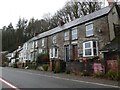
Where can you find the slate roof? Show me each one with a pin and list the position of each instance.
(113, 46)
(84, 19)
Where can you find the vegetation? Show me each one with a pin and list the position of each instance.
(45, 67)
(4, 60)
(32, 65)
(15, 65)
(42, 58)
(114, 75)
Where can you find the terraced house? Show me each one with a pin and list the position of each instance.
(81, 40)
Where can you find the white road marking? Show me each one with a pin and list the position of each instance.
(113, 86)
(7, 83)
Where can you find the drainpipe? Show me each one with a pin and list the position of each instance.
(70, 46)
(34, 51)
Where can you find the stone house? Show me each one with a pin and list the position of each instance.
(81, 39)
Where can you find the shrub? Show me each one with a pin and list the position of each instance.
(85, 73)
(42, 58)
(15, 65)
(67, 71)
(32, 66)
(45, 67)
(98, 75)
(114, 75)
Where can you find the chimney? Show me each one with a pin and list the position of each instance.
(61, 23)
(110, 2)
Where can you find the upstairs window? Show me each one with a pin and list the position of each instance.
(74, 33)
(32, 45)
(89, 30)
(26, 46)
(66, 35)
(43, 42)
(36, 44)
(54, 39)
(90, 48)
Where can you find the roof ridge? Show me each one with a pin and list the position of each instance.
(75, 22)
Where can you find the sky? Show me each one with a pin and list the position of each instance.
(12, 10)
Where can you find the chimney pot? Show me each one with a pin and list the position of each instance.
(111, 2)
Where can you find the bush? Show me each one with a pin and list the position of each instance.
(42, 58)
(15, 65)
(67, 71)
(85, 73)
(114, 75)
(32, 66)
(98, 75)
(45, 67)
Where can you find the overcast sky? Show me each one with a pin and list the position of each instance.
(12, 10)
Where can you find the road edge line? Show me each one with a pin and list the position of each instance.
(7, 83)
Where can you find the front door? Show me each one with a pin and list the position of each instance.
(75, 52)
(67, 53)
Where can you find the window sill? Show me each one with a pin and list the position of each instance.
(89, 36)
(74, 39)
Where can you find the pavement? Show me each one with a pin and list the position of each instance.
(23, 78)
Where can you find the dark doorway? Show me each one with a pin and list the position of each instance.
(75, 52)
(67, 53)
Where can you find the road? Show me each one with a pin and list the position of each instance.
(20, 78)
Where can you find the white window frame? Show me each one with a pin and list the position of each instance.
(32, 45)
(36, 44)
(66, 35)
(74, 33)
(90, 29)
(40, 50)
(91, 47)
(53, 53)
(43, 42)
(54, 39)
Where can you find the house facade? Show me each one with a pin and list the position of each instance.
(77, 41)
(83, 37)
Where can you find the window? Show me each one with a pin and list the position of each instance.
(54, 39)
(43, 42)
(74, 34)
(32, 45)
(54, 53)
(26, 46)
(89, 30)
(51, 53)
(90, 48)
(36, 44)
(66, 35)
(40, 50)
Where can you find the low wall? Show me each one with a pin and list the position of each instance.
(78, 67)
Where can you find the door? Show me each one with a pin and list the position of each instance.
(75, 52)
(67, 53)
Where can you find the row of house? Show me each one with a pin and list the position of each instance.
(82, 39)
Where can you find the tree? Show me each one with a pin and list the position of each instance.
(75, 9)
(20, 32)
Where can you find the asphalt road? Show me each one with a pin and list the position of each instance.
(36, 79)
